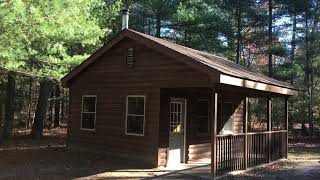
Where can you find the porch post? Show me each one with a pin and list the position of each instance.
(214, 110)
(269, 128)
(246, 133)
(286, 119)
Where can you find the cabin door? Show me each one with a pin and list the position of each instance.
(176, 154)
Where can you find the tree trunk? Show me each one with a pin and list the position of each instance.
(57, 106)
(293, 44)
(311, 50)
(1, 113)
(304, 130)
(50, 118)
(1, 106)
(307, 71)
(292, 57)
(238, 32)
(28, 124)
(270, 39)
(68, 103)
(44, 93)
(149, 26)
(62, 104)
(158, 27)
(9, 106)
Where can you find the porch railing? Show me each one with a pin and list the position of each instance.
(262, 147)
(278, 145)
(230, 153)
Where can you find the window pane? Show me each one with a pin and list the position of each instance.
(135, 124)
(136, 105)
(88, 120)
(89, 104)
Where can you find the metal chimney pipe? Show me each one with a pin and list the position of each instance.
(125, 18)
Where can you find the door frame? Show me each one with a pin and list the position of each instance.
(184, 125)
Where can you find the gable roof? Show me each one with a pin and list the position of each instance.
(203, 59)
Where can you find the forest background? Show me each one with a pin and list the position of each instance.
(41, 41)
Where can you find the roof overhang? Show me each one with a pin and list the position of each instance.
(203, 62)
(245, 83)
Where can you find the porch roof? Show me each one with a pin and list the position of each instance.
(230, 72)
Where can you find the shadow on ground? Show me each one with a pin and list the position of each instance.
(60, 163)
(306, 170)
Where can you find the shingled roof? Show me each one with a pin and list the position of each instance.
(223, 65)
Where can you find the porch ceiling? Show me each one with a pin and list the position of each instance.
(258, 86)
(238, 91)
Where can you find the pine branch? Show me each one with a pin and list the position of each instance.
(25, 74)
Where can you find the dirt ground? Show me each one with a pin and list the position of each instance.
(48, 158)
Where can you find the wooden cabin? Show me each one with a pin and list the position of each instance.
(146, 99)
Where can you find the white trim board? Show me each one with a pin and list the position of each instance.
(234, 81)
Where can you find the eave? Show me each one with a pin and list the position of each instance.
(245, 83)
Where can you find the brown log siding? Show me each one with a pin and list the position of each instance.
(111, 81)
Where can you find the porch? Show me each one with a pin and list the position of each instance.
(242, 127)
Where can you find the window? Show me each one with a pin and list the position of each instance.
(135, 115)
(176, 117)
(202, 116)
(88, 116)
(130, 58)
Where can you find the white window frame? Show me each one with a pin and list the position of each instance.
(208, 120)
(144, 115)
(95, 112)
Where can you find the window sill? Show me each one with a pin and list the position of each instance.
(84, 129)
(133, 134)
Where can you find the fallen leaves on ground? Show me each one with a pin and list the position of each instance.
(54, 137)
